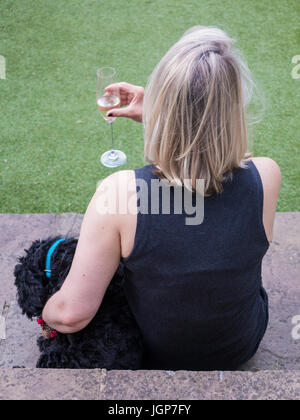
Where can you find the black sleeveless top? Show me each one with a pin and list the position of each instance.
(196, 290)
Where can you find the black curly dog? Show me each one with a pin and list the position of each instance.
(111, 340)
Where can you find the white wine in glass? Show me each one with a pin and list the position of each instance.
(105, 102)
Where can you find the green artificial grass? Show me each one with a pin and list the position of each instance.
(51, 133)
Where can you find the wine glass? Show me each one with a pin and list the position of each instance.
(105, 102)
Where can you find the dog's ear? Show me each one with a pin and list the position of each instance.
(29, 275)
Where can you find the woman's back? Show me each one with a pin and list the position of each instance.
(196, 290)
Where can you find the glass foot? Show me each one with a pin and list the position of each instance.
(113, 158)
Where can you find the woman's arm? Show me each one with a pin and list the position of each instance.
(271, 180)
(95, 261)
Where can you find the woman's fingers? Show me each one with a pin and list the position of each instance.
(126, 91)
(131, 96)
(120, 112)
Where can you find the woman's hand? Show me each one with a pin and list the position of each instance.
(131, 97)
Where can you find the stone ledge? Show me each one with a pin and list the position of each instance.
(280, 273)
(98, 384)
(274, 372)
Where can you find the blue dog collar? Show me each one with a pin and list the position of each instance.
(49, 255)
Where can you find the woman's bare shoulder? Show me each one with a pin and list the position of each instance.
(117, 177)
(267, 167)
(270, 175)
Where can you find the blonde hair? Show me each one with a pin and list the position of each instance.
(194, 110)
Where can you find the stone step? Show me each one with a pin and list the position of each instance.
(272, 374)
(97, 384)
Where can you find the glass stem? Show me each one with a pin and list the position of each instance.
(112, 137)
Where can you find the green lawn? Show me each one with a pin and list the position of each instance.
(51, 133)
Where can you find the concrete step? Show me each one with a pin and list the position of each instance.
(97, 384)
(274, 367)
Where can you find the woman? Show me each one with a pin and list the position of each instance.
(195, 289)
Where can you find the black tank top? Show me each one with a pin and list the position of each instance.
(196, 290)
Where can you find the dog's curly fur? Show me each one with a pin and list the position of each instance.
(111, 340)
